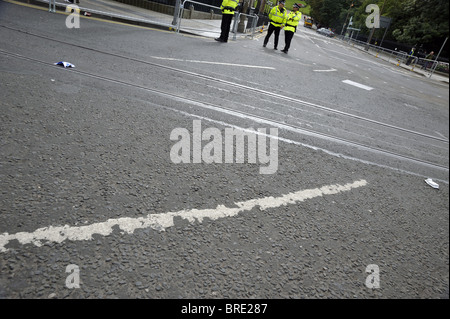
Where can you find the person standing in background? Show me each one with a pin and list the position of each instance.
(428, 61)
(228, 7)
(411, 56)
(278, 17)
(292, 22)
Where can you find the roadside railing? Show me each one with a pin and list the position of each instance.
(252, 22)
(181, 13)
(252, 19)
(400, 57)
(153, 21)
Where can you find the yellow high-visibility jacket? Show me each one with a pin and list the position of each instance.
(278, 17)
(293, 20)
(229, 6)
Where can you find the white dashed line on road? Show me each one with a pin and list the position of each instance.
(359, 85)
(331, 70)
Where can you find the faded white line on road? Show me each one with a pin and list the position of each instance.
(165, 220)
(351, 56)
(292, 142)
(441, 135)
(215, 63)
(309, 38)
(331, 70)
(411, 106)
(359, 85)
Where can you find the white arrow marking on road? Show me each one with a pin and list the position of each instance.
(359, 85)
(162, 221)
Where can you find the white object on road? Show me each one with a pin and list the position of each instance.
(430, 182)
(65, 64)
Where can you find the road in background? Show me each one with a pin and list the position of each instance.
(86, 145)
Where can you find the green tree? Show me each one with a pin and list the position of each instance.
(327, 12)
(331, 10)
(422, 22)
(414, 22)
(316, 8)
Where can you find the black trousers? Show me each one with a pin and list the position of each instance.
(288, 35)
(271, 30)
(225, 26)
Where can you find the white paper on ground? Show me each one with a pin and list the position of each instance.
(430, 182)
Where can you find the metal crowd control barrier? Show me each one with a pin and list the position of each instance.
(399, 56)
(237, 16)
(428, 64)
(181, 11)
(254, 19)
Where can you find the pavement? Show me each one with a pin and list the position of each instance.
(109, 9)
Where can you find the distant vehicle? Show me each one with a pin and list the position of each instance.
(326, 32)
(308, 22)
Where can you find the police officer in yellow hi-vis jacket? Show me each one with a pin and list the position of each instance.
(278, 17)
(292, 22)
(228, 7)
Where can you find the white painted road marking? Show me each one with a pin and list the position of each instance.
(215, 63)
(162, 221)
(331, 70)
(359, 85)
(441, 135)
(412, 106)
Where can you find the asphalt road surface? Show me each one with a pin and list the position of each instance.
(88, 180)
